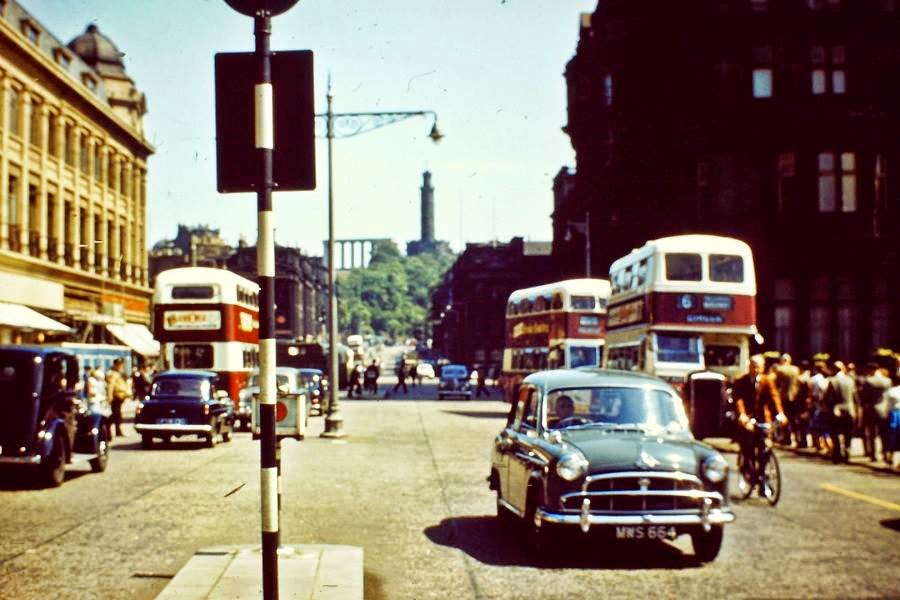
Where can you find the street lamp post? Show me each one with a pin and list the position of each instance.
(348, 124)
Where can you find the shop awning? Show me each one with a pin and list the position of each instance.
(20, 316)
(135, 336)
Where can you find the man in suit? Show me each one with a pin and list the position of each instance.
(843, 399)
(756, 398)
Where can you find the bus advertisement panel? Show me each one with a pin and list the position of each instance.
(683, 304)
(208, 319)
(557, 325)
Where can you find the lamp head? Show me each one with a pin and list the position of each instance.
(435, 134)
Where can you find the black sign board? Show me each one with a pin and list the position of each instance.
(237, 159)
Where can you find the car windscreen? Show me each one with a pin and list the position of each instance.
(181, 387)
(15, 374)
(455, 372)
(650, 409)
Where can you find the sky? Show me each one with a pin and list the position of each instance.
(492, 70)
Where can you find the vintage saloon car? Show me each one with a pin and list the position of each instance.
(602, 451)
(45, 426)
(454, 382)
(185, 402)
(290, 381)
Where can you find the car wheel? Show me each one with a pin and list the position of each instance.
(541, 539)
(707, 543)
(98, 465)
(504, 516)
(55, 466)
(146, 441)
(745, 476)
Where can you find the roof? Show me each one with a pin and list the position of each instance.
(585, 286)
(186, 373)
(591, 377)
(34, 349)
(201, 276)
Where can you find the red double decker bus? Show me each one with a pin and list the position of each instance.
(552, 326)
(683, 304)
(208, 319)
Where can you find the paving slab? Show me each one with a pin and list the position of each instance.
(307, 571)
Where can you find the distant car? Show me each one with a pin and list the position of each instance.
(425, 370)
(185, 402)
(317, 385)
(454, 382)
(589, 450)
(289, 380)
(44, 426)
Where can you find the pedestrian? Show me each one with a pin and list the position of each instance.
(372, 375)
(787, 380)
(141, 382)
(401, 376)
(874, 385)
(756, 398)
(119, 390)
(842, 399)
(888, 411)
(355, 383)
(481, 387)
(93, 390)
(820, 424)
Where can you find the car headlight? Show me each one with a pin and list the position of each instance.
(316, 378)
(715, 468)
(571, 466)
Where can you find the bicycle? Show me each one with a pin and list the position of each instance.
(762, 473)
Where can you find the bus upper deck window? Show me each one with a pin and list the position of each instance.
(583, 302)
(682, 266)
(557, 303)
(192, 292)
(726, 267)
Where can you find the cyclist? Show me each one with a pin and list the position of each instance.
(756, 401)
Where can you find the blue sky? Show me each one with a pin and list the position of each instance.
(492, 70)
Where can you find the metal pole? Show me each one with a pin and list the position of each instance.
(587, 243)
(334, 421)
(265, 265)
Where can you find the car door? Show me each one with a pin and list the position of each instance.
(522, 457)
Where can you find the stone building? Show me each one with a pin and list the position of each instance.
(73, 173)
(774, 121)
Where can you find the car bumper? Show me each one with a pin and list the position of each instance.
(587, 520)
(20, 460)
(455, 392)
(171, 428)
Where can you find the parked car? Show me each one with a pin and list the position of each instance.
(589, 450)
(45, 426)
(425, 370)
(454, 382)
(185, 402)
(289, 380)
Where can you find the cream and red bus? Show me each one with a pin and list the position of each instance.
(680, 305)
(207, 318)
(551, 326)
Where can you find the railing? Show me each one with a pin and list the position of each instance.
(15, 238)
(34, 242)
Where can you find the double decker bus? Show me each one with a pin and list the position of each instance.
(680, 305)
(207, 318)
(553, 326)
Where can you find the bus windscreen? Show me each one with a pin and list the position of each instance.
(678, 348)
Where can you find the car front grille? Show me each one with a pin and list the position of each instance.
(641, 492)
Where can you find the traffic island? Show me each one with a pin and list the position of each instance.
(309, 571)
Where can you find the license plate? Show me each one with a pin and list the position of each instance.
(168, 421)
(645, 532)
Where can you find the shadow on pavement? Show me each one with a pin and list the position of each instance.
(158, 445)
(30, 478)
(891, 524)
(485, 540)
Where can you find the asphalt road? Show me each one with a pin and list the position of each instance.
(408, 485)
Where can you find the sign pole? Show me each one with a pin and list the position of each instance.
(265, 264)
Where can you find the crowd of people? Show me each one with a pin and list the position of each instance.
(825, 404)
(107, 392)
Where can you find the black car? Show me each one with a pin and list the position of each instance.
(45, 425)
(608, 452)
(317, 384)
(185, 402)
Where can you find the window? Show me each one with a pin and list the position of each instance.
(726, 267)
(784, 328)
(34, 133)
(192, 356)
(13, 108)
(62, 57)
(717, 355)
(89, 82)
(835, 170)
(98, 162)
(557, 303)
(759, 5)
(52, 145)
(30, 30)
(583, 356)
(608, 90)
(12, 204)
(820, 329)
(84, 155)
(678, 348)
(762, 72)
(828, 70)
(193, 292)
(683, 267)
(583, 302)
(69, 144)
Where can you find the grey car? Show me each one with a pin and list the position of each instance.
(607, 453)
